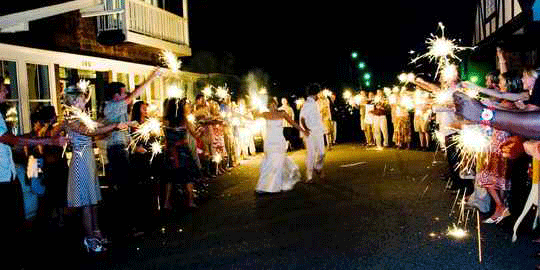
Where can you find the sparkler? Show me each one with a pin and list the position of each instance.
(74, 113)
(299, 103)
(327, 93)
(156, 148)
(441, 50)
(170, 60)
(222, 92)
(174, 92)
(347, 94)
(456, 232)
(83, 84)
(207, 92)
(470, 140)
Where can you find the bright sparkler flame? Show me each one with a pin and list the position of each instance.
(147, 130)
(75, 113)
(222, 92)
(456, 232)
(83, 84)
(191, 118)
(174, 92)
(170, 60)
(470, 140)
(207, 91)
(441, 50)
(358, 99)
(443, 97)
(299, 103)
(156, 148)
(327, 93)
(347, 95)
(217, 158)
(407, 102)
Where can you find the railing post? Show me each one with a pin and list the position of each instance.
(185, 21)
(126, 16)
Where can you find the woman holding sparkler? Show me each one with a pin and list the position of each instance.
(83, 186)
(278, 172)
(182, 166)
(147, 164)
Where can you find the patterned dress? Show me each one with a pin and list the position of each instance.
(491, 171)
(83, 186)
(182, 167)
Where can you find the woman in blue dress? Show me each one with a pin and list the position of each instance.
(83, 187)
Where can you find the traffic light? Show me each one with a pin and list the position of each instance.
(367, 76)
(361, 65)
(354, 55)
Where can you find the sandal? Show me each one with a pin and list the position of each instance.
(92, 244)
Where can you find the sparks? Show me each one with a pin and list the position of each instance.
(174, 92)
(327, 93)
(441, 50)
(299, 103)
(151, 128)
(207, 92)
(222, 92)
(170, 60)
(74, 113)
(83, 84)
(456, 232)
(156, 148)
(470, 140)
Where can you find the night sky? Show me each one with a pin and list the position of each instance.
(299, 44)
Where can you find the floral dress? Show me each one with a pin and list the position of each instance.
(491, 170)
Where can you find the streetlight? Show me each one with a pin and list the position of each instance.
(354, 55)
(367, 76)
(361, 65)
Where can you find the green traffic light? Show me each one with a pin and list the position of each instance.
(367, 83)
(367, 76)
(354, 55)
(361, 65)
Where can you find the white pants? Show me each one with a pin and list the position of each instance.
(380, 125)
(315, 154)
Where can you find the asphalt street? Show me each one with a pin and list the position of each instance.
(376, 209)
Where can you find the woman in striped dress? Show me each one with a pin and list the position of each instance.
(83, 187)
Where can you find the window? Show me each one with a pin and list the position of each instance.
(39, 93)
(11, 108)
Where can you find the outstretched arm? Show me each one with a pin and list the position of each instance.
(8, 138)
(294, 124)
(138, 91)
(497, 94)
(83, 129)
(523, 123)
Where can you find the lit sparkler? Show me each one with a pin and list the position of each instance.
(174, 92)
(299, 103)
(74, 113)
(83, 84)
(207, 92)
(441, 50)
(151, 128)
(456, 232)
(156, 148)
(470, 140)
(327, 93)
(222, 92)
(170, 60)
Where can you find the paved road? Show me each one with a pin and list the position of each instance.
(377, 210)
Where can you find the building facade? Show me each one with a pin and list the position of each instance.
(510, 24)
(46, 47)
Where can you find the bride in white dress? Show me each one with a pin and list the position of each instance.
(278, 171)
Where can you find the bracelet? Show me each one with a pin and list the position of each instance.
(487, 115)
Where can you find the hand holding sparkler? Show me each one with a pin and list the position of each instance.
(467, 107)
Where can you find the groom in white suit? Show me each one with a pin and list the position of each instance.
(311, 120)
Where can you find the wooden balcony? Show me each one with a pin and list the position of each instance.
(145, 24)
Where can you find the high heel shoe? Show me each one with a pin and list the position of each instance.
(92, 244)
(498, 219)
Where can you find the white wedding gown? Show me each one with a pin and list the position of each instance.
(278, 171)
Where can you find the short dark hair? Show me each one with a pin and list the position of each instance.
(199, 96)
(513, 81)
(313, 89)
(113, 88)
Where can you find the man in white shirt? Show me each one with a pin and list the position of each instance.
(311, 120)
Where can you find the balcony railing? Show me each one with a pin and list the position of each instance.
(142, 18)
